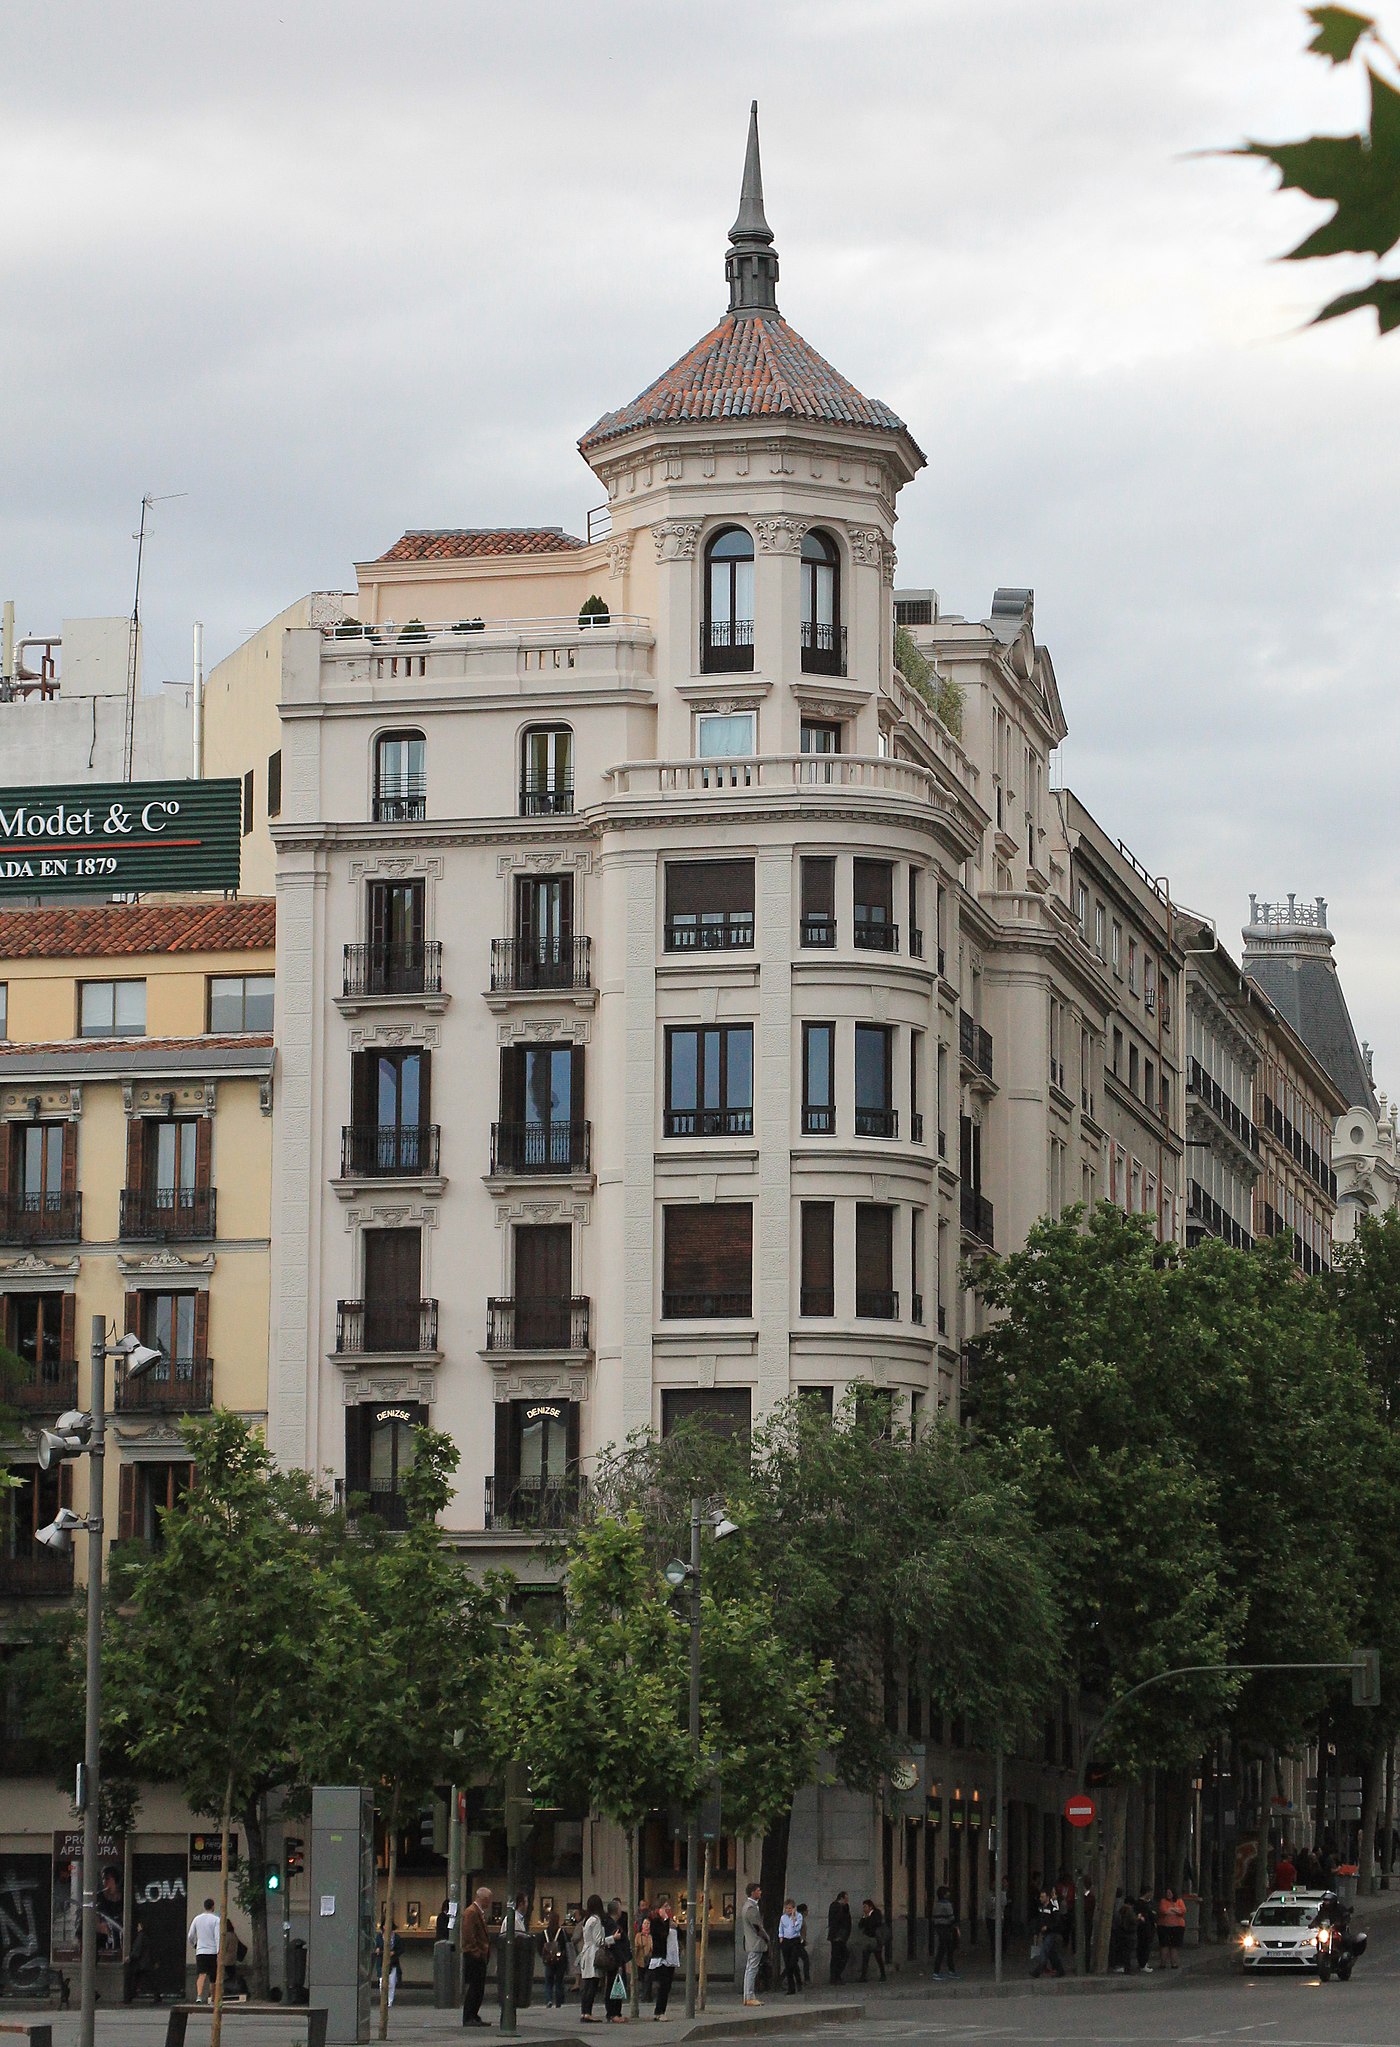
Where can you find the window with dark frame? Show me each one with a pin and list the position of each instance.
(916, 935)
(726, 1411)
(381, 1441)
(876, 1298)
(876, 1115)
(709, 905)
(536, 1482)
(274, 783)
(391, 1130)
(545, 953)
(547, 771)
(727, 639)
(247, 803)
(111, 1009)
(821, 606)
(916, 1090)
(709, 1080)
(818, 895)
(873, 905)
(400, 778)
(817, 1295)
(542, 1126)
(707, 1268)
(240, 1002)
(819, 1079)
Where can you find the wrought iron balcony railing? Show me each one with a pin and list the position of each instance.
(877, 1122)
(974, 1043)
(823, 648)
(409, 1327)
(726, 930)
(39, 1574)
(709, 1122)
(150, 1214)
(379, 969)
(877, 1304)
(541, 1147)
(870, 935)
(726, 646)
(388, 1151)
(522, 965)
(176, 1386)
(977, 1216)
(47, 1216)
(818, 929)
(524, 1324)
(515, 1503)
(53, 1384)
(705, 1303)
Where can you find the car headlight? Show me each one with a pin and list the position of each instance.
(1249, 1941)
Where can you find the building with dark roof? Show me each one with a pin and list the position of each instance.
(1288, 952)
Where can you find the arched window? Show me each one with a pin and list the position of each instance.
(547, 771)
(822, 637)
(727, 642)
(400, 778)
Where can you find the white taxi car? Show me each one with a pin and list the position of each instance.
(1282, 1934)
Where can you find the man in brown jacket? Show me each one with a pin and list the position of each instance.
(476, 1953)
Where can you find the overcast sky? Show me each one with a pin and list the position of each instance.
(334, 268)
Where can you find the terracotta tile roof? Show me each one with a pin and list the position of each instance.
(230, 1041)
(248, 925)
(458, 543)
(747, 368)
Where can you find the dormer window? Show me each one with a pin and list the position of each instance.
(727, 639)
(821, 606)
(400, 778)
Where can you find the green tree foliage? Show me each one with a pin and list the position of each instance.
(407, 1644)
(212, 1676)
(943, 696)
(1359, 175)
(13, 1374)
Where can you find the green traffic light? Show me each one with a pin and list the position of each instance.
(274, 1879)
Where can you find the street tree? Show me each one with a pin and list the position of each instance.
(213, 1667)
(403, 1665)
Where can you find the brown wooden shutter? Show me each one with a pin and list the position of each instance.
(709, 1247)
(503, 1421)
(818, 1249)
(132, 1316)
(126, 1503)
(201, 1324)
(874, 1248)
(572, 1444)
(577, 1113)
(7, 1146)
(135, 1150)
(68, 1327)
(512, 1084)
(203, 1151)
(696, 886)
(69, 1167)
(818, 888)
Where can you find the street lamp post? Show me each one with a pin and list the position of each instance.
(77, 1432)
(678, 1574)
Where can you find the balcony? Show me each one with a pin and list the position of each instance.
(819, 929)
(818, 1119)
(823, 648)
(54, 1386)
(167, 1214)
(382, 1499)
(515, 1503)
(726, 931)
(709, 1122)
(755, 776)
(44, 1217)
(817, 1300)
(176, 1386)
(976, 1213)
(874, 937)
(406, 803)
(701, 1304)
(540, 1148)
(515, 1324)
(40, 1575)
(527, 966)
(379, 970)
(548, 795)
(877, 1122)
(877, 1304)
(975, 1044)
(1200, 1084)
(375, 1328)
(726, 646)
(389, 1151)
(1206, 1218)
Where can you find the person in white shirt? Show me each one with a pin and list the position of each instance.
(203, 1938)
(790, 1947)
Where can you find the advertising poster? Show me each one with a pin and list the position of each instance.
(24, 1925)
(66, 1925)
(160, 1909)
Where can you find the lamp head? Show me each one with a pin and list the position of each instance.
(69, 1439)
(724, 1526)
(676, 1574)
(139, 1356)
(58, 1534)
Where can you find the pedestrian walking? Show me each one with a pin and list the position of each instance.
(617, 1950)
(789, 1943)
(590, 1958)
(137, 1974)
(1047, 1952)
(755, 1938)
(556, 1955)
(838, 1935)
(872, 1938)
(945, 1935)
(203, 1938)
(1122, 1939)
(395, 1961)
(664, 1959)
(1171, 1926)
(476, 1953)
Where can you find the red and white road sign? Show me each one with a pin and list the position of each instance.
(1080, 1811)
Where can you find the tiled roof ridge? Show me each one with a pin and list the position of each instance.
(95, 930)
(750, 365)
(17, 1049)
(462, 543)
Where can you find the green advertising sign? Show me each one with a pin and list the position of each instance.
(118, 838)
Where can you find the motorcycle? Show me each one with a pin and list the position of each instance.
(1338, 1950)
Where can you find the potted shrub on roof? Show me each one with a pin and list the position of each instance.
(593, 611)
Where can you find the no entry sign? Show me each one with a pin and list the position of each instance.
(1080, 1811)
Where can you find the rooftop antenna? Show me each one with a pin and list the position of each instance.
(133, 645)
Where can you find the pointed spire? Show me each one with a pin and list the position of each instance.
(751, 262)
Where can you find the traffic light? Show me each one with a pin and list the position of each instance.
(1365, 1677)
(295, 1857)
(432, 1826)
(274, 1879)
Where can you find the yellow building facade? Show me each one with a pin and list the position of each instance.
(135, 1158)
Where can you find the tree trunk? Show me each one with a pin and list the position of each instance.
(1112, 1878)
(384, 1959)
(1323, 1783)
(1261, 1852)
(1372, 1780)
(1182, 1834)
(772, 1874)
(1149, 1832)
(217, 2021)
(255, 1833)
(1388, 1834)
(630, 1910)
(703, 1970)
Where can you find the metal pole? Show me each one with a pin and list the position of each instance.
(692, 1831)
(92, 1758)
(197, 706)
(998, 1865)
(455, 1846)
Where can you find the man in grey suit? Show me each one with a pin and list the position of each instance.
(755, 1940)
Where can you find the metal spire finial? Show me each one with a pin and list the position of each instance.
(751, 262)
